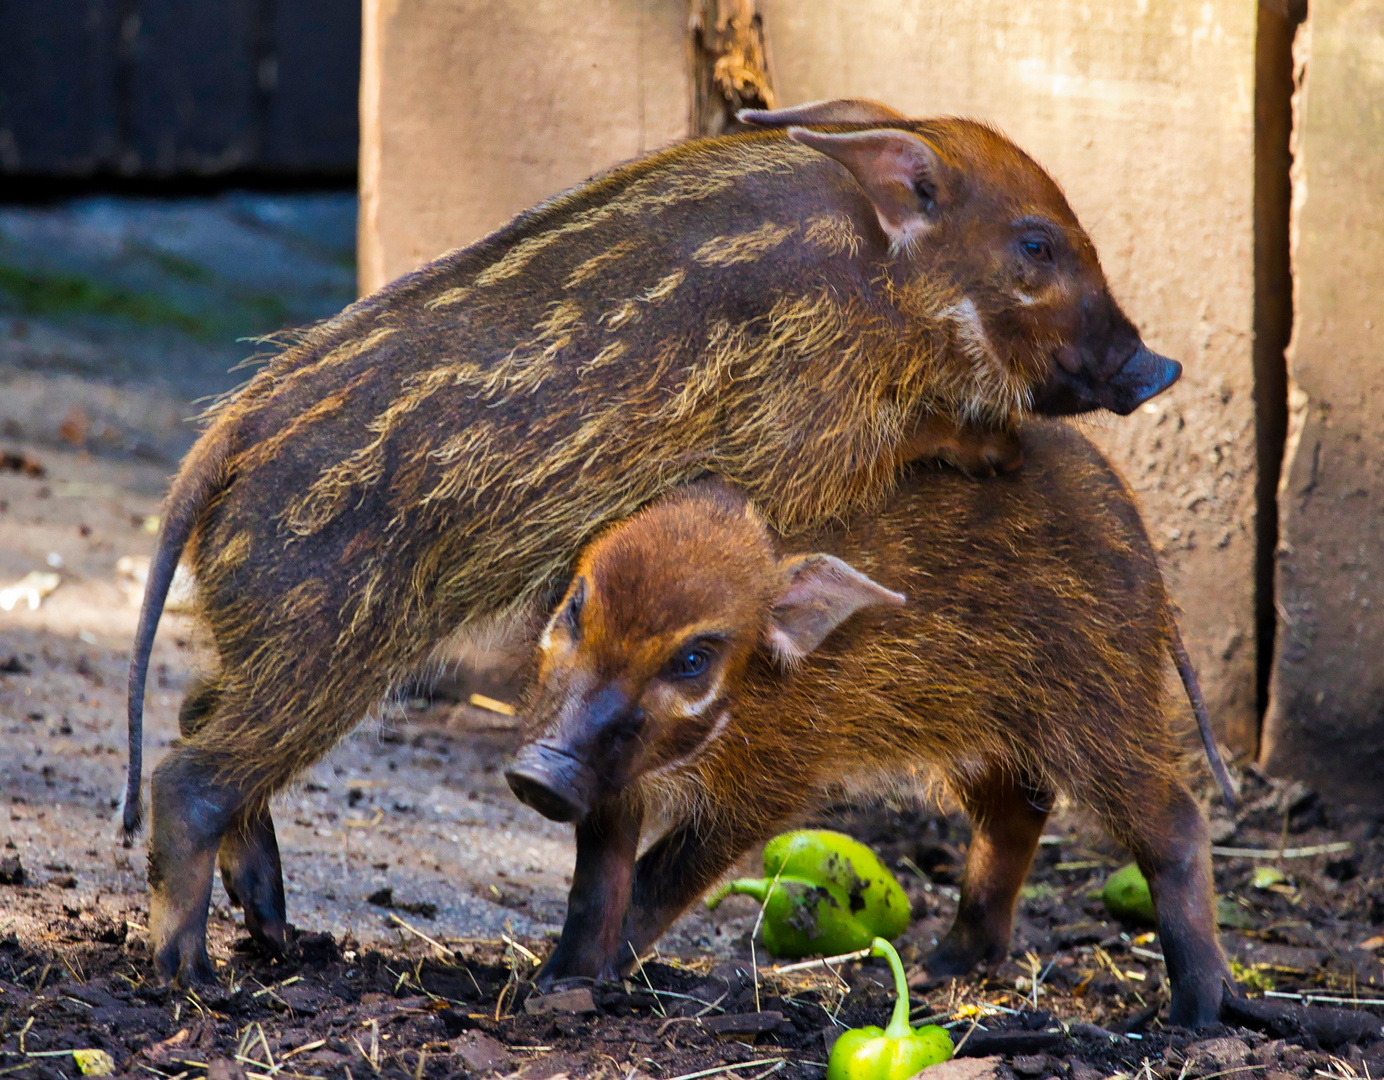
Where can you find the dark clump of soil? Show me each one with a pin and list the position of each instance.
(335, 1012)
(1081, 997)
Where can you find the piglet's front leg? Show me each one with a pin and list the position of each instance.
(607, 843)
(975, 449)
(687, 861)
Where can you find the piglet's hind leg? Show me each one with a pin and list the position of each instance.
(1007, 818)
(253, 876)
(191, 813)
(1176, 860)
(249, 855)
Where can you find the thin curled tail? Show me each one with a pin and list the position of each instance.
(201, 475)
(1208, 737)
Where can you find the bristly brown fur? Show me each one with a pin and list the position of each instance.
(429, 478)
(1035, 640)
(1029, 659)
(431, 458)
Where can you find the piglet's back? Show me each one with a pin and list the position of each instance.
(1035, 605)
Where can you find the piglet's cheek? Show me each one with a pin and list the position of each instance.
(689, 739)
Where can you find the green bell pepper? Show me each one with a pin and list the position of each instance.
(1126, 896)
(892, 1053)
(832, 895)
(801, 917)
(831, 858)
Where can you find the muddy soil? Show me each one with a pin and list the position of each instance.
(425, 893)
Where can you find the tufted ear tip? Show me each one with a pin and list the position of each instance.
(836, 111)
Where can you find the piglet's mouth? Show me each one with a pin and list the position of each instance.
(1143, 375)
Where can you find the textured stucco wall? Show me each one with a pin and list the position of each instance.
(1145, 114)
(1144, 111)
(472, 110)
(1326, 716)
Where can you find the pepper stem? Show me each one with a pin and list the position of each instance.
(898, 1023)
(756, 887)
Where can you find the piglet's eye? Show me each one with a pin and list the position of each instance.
(572, 613)
(1037, 249)
(688, 663)
(927, 195)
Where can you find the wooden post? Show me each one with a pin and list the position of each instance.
(1325, 722)
(729, 63)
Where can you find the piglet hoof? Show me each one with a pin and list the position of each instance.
(551, 983)
(988, 453)
(1225, 1011)
(184, 971)
(272, 931)
(1002, 453)
(1011, 463)
(572, 982)
(1199, 1004)
(954, 957)
(275, 941)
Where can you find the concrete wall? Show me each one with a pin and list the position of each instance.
(472, 110)
(1326, 716)
(1143, 111)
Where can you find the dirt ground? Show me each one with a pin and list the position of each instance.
(424, 892)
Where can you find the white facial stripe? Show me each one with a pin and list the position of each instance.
(1024, 299)
(971, 331)
(968, 324)
(695, 708)
(717, 728)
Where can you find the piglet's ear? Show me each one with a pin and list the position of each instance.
(820, 592)
(840, 111)
(901, 174)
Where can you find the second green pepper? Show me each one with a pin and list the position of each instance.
(892, 1053)
(1126, 896)
(833, 895)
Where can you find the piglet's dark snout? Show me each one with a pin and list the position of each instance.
(1144, 375)
(586, 756)
(1075, 384)
(554, 782)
